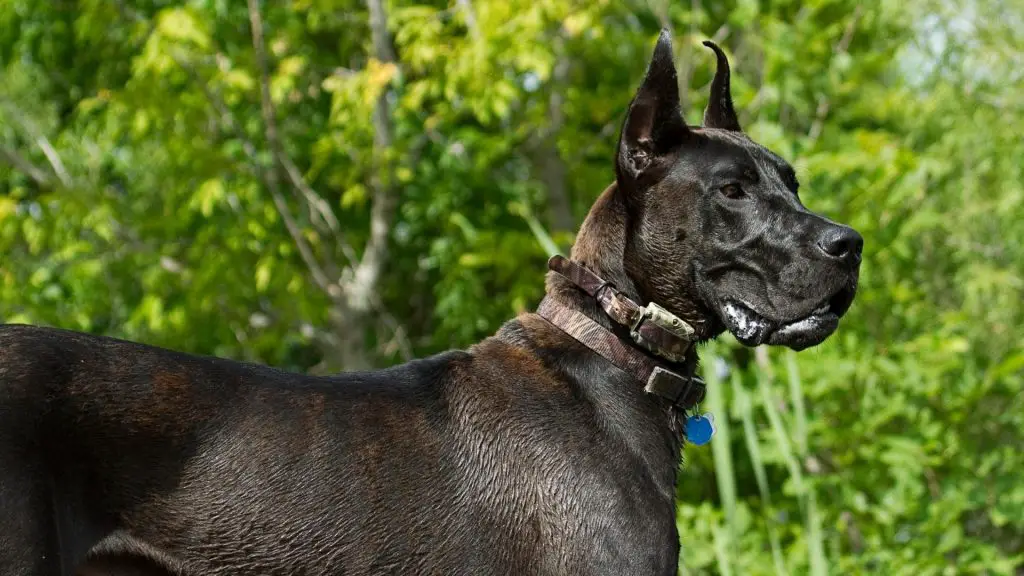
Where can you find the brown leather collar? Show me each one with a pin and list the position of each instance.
(646, 329)
(652, 327)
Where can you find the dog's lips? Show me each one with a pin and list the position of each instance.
(747, 326)
(752, 329)
(806, 332)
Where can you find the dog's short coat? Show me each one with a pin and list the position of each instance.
(525, 454)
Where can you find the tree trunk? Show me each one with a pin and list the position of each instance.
(550, 165)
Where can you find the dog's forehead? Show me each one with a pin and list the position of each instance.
(766, 162)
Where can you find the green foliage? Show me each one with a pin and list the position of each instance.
(135, 202)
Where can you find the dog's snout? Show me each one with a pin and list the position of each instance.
(841, 243)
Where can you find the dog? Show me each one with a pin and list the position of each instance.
(550, 447)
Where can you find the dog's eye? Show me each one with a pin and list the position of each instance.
(732, 191)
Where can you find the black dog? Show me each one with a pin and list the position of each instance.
(549, 448)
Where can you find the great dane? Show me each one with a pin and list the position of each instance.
(550, 447)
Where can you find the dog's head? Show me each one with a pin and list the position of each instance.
(716, 231)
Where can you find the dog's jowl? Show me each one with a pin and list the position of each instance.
(548, 448)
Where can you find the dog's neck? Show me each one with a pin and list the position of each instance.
(601, 242)
(601, 247)
(649, 428)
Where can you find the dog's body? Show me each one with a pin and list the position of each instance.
(529, 453)
(480, 462)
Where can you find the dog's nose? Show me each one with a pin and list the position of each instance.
(841, 243)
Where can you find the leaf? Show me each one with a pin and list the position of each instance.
(209, 194)
(182, 25)
(378, 75)
(8, 207)
(263, 275)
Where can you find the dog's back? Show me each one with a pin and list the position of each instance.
(465, 462)
(102, 437)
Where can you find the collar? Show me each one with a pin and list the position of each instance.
(651, 327)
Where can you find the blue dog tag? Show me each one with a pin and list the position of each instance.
(700, 428)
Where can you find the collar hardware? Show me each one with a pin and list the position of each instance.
(651, 327)
(681, 391)
(668, 322)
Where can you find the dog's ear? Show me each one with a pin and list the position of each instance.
(654, 125)
(720, 112)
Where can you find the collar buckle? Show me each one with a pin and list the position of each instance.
(682, 391)
(668, 323)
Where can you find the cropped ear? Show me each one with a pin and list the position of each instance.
(654, 125)
(720, 112)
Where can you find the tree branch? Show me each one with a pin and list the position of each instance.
(400, 342)
(266, 103)
(54, 158)
(382, 211)
(269, 177)
(317, 203)
(40, 140)
(320, 207)
(23, 165)
(467, 10)
(382, 48)
(553, 170)
(272, 174)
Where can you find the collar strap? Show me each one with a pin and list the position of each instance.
(652, 327)
(683, 392)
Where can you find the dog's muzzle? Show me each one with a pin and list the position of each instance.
(752, 328)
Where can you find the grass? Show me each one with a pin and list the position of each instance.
(758, 399)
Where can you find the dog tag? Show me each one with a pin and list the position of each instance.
(700, 428)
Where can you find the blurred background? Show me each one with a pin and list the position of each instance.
(330, 184)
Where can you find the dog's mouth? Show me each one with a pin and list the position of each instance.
(754, 329)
